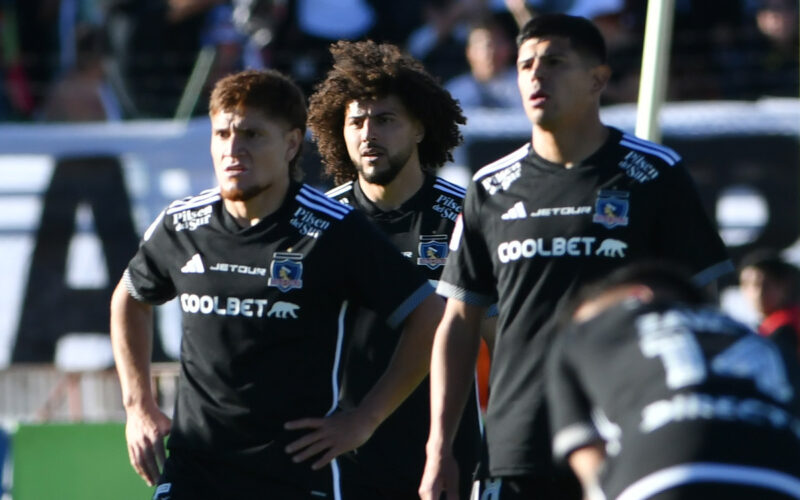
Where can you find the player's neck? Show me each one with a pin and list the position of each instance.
(569, 145)
(391, 196)
(249, 212)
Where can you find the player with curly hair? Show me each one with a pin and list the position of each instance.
(383, 125)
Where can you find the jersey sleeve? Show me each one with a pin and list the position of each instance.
(685, 233)
(568, 404)
(146, 277)
(468, 274)
(381, 278)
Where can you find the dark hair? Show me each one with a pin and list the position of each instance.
(268, 91)
(366, 71)
(774, 267)
(583, 35)
(667, 280)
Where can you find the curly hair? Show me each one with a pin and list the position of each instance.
(367, 70)
(268, 91)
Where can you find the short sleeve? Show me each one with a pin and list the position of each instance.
(378, 277)
(468, 275)
(685, 233)
(146, 276)
(568, 404)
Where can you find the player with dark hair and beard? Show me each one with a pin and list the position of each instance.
(383, 126)
(255, 265)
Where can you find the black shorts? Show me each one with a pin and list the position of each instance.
(365, 481)
(189, 477)
(550, 487)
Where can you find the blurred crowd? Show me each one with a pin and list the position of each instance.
(85, 60)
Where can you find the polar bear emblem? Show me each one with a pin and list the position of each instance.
(283, 310)
(612, 248)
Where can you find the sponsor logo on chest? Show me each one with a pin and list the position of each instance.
(238, 269)
(518, 211)
(192, 303)
(577, 246)
(308, 223)
(447, 207)
(191, 219)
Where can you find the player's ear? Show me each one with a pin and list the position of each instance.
(293, 140)
(419, 131)
(601, 74)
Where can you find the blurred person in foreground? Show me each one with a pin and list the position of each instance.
(384, 126)
(258, 265)
(578, 201)
(656, 394)
(771, 286)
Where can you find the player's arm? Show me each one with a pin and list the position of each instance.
(146, 425)
(587, 462)
(344, 431)
(455, 351)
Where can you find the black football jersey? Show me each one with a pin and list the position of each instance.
(420, 229)
(679, 394)
(263, 311)
(533, 231)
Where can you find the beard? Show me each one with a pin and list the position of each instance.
(239, 194)
(385, 176)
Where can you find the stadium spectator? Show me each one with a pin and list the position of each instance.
(492, 80)
(155, 44)
(384, 126)
(655, 393)
(578, 201)
(84, 93)
(438, 42)
(261, 342)
(772, 287)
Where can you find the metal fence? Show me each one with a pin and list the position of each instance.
(42, 393)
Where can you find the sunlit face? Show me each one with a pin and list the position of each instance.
(555, 82)
(381, 138)
(251, 152)
(765, 295)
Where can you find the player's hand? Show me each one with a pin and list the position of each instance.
(145, 430)
(330, 436)
(440, 478)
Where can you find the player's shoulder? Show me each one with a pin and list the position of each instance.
(508, 162)
(205, 198)
(315, 201)
(640, 157)
(188, 213)
(342, 192)
(442, 186)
